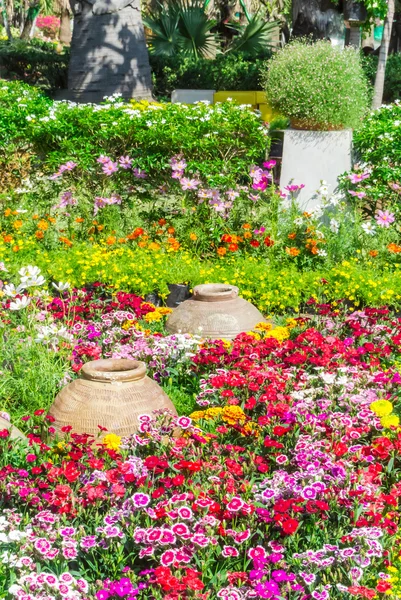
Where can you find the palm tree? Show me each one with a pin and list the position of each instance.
(108, 51)
(381, 67)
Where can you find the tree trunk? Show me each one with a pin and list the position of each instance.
(65, 27)
(108, 52)
(6, 22)
(381, 67)
(30, 19)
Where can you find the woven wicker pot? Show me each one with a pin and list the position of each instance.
(14, 432)
(214, 311)
(111, 393)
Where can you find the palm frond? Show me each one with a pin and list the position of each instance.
(164, 36)
(196, 37)
(255, 36)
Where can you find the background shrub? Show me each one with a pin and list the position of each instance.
(37, 63)
(317, 85)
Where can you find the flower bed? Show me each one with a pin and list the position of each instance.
(280, 481)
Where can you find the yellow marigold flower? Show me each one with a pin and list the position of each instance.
(128, 325)
(279, 333)
(253, 334)
(112, 441)
(291, 323)
(381, 408)
(193, 236)
(213, 412)
(163, 310)
(153, 317)
(197, 415)
(233, 415)
(390, 421)
(264, 326)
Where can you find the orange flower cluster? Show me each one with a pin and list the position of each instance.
(394, 249)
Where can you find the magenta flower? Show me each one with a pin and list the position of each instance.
(359, 195)
(140, 499)
(139, 174)
(294, 188)
(269, 164)
(384, 218)
(229, 551)
(103, 160)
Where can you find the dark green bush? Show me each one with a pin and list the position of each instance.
(392, 84)
(234, 71)
(37, 63)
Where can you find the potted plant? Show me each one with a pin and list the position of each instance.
(324, 93)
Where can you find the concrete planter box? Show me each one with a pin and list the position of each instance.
(312, 156)
(192, 96)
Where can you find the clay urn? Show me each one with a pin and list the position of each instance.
(14, 432)
(214, 311)
(111, 393)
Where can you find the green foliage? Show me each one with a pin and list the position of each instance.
(182, 28)
(318, 86)
(392, 83)
(35, 62)
(378, 144)
(233, 71)
(219, 142)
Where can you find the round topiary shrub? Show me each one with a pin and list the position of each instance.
(318, 86)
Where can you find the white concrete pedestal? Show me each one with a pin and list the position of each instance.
(312, 156)
(192, 96)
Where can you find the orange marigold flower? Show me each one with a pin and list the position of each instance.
(17, 224)
(154, 246)
(293, 251)
(142, 244)
(233, 247)
(51, 219)
(8, 238)
(65, 241)
(247, 235)
(226, 238)
(171, 230)
(193, 237)
(39, 235)
(7, 212)
(122, 240)
(314, 250)
(34, 217)
(100, 227)
(394, 248)
(111, 240)
(221, 251)
(162, 221)
(246, 226)
(79, 220)
(15, 248)
(373, 253)
(292, 236)
(43, 225)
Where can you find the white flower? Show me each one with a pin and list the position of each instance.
(3, 267)
(33, 281)
(14, 589)
(328, 377)
(12, 291)
(369, 228)
(334, 225)
(20, 303)
(29, 271)
(321, 253)
(60, 286)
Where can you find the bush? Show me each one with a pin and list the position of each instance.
(318, 86)
(235, 71)
(219, 142)
(392, 84)
(36, 63)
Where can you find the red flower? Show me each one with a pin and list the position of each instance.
(268, 242)
(39, 413)
(290, 526)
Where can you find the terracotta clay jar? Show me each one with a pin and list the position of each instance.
(14, 432)
(111, 393)
(214, 311)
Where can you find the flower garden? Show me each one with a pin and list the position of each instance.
(279, 476)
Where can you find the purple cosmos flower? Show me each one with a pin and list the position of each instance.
(139, 174)
(125, 162)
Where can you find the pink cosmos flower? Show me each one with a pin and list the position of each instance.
(294, 188)
(359, 195)
(384, 218)
(139, 174)
(358, 177)
(125, 162)
(103, 160)
(109, 168)
(189, 184)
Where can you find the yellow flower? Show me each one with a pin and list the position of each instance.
(213, 412)
(112, 441)
(264, 326)
(390, 421)
(279, 333)
(233, 415)
(128, 325)
(254, 335)
(381, 408)
(198, 414)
